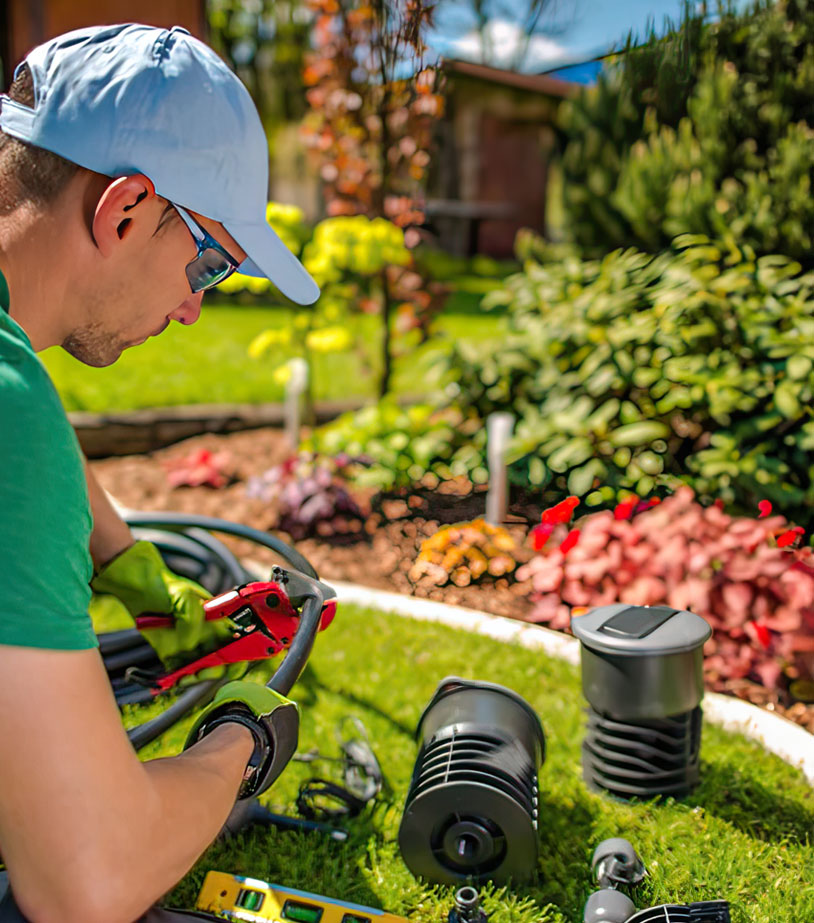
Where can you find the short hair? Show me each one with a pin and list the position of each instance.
(29, 173)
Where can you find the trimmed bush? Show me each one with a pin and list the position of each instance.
(635, 372)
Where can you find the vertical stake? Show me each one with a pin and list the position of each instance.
(499, 428)
(292, 412)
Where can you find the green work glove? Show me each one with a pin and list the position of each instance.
(139, 578)
(273, 720)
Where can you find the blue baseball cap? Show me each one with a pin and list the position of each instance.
(129, 99)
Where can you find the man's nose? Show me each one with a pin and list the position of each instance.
(188, 312)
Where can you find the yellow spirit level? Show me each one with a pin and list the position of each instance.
(235, 897)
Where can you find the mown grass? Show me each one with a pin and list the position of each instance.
(208, 363)
(744, 835)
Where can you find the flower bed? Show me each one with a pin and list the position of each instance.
(382, 548)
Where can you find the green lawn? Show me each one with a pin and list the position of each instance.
(208, 363)
(744, 835)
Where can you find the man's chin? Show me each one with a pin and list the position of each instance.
(92, 352)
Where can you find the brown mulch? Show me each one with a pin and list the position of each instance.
(381, 552)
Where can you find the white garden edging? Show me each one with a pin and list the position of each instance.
(777, 734)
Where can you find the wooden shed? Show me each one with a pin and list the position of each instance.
(26, 23)
(494, 145)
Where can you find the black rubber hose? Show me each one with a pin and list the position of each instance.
(191, 698)
(183, 521)
(297, 655)
(290, 669)
(111, 642)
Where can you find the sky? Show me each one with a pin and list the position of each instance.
(575, 30)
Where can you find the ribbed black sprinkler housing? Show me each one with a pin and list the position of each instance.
(642, 674)
(471, 810)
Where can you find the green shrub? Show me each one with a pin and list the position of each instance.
(635, 371)
(708, 131)
(402, 445)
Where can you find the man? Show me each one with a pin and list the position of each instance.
(133, 176)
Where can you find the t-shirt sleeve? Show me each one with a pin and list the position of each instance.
(45, 519)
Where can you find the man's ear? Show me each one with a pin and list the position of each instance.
(112, 217)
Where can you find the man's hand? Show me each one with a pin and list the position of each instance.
(90, 834)
(139, 578)
(273, 720)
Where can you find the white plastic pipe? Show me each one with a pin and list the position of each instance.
(499, 428)
(292, 411)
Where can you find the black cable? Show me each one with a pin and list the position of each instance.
(323, 800)
(183, 521)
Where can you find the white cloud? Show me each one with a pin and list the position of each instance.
(502, 41)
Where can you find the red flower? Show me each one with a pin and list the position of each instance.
(643, 505)
(719, 503)
(539, 535)
(762, 633)
(570, 540)
(790, 536)
(765, 508)
(561, 512)
(624, 510)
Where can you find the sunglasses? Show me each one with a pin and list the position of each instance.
(212, 264)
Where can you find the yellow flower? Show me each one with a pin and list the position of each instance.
(264, 341)
(329, 340)
(257, 285)
(282, 374)
(234, 283)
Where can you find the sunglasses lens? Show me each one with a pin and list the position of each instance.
(208, 269)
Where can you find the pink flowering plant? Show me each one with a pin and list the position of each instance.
(746, 576)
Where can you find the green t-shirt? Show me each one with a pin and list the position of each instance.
(45, 518)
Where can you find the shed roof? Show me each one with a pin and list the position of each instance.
(534, 83)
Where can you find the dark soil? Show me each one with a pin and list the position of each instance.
(384, 547)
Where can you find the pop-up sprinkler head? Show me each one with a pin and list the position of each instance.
(471, 811)
(642, 674)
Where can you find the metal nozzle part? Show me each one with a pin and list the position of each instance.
(615, 864)
(467, 907)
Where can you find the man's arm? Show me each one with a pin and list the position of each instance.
(111, 534)
(88, 832)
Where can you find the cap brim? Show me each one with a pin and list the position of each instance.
(268, 257)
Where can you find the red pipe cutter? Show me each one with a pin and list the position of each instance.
(264, 616)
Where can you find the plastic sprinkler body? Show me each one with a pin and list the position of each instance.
(608, 906)
(467, 907)
(642, 674)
